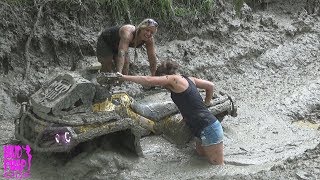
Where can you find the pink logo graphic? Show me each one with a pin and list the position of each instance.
(14, 163)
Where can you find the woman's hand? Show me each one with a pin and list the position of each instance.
(119, 74)
(208, 104)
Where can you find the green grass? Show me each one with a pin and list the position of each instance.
(18, 2)
(192, 7)
(164, 10)
(238, 5)
(158, 9)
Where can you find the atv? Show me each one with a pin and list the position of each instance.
(78, 107)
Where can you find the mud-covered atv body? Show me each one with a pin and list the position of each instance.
(71, 109)
(60, 116)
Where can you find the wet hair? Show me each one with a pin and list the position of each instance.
(147, 23)
(167, 67)
(144, 24)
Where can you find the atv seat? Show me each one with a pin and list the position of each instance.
(154, 110)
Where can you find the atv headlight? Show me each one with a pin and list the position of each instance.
(58, 136)
(63, 137)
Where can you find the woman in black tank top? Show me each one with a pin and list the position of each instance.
(193, 108)
(113, 44)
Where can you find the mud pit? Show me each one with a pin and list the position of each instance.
(270, 64)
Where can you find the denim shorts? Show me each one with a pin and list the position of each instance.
(212, 134)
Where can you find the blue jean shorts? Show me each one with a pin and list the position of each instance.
(212, 134)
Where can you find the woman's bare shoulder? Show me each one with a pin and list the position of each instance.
(128, 26)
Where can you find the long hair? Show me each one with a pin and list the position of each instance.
(144, 24)
(167, 67)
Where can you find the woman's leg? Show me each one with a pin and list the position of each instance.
(199, 148)
(214, 153)
(212, 143)
(104, 55)
(106, 63)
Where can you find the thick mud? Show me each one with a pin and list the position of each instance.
(268, 62)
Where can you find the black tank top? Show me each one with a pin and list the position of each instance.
(193, 109)
(111, 37)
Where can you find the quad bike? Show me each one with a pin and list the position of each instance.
(73, 108)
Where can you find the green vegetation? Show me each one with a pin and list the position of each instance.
(158, 9)
(18, 2)
(238, 5)
(252, 3)
(193, 7)
(131, 11)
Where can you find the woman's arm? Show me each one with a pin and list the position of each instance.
(148, 80)
(125, 39)
(206, 85)
(151, 52)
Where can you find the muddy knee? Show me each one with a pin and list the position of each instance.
(215, 154)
